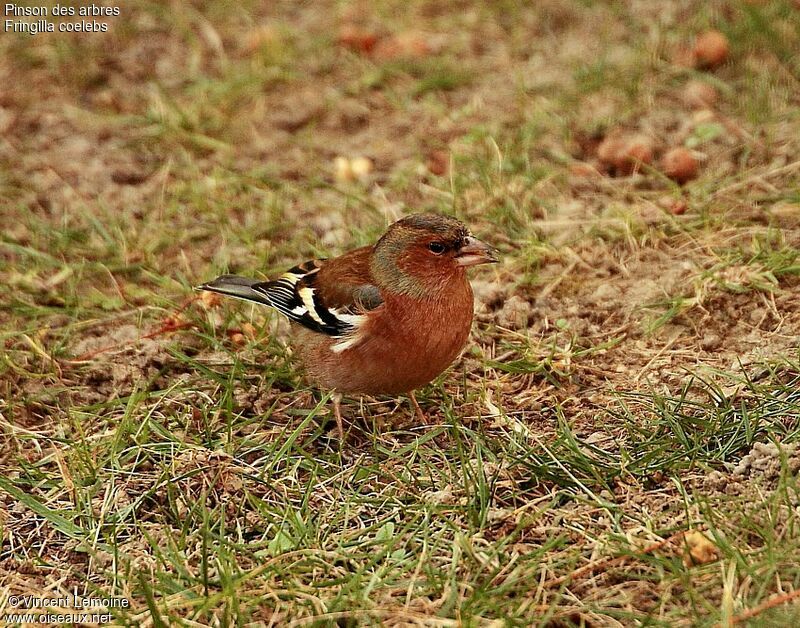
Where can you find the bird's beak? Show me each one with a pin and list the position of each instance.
(474, 252)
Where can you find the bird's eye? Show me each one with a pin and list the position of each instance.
(437, 248)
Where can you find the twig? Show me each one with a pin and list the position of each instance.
(788, 168)
(554, 284)
(605, 563)
(166, 328)
(173, 323)
(661, 352)
(778, 600)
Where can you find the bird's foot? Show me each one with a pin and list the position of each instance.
(337, 412)
(421, 418)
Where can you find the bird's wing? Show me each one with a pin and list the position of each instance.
(326, 296)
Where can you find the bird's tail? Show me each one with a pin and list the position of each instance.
(238, 287)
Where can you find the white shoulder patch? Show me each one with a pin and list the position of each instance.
(353, 337)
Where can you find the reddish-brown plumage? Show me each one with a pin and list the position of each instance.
(381, 319)
(339, 276)
(420, 327)
(407, 342)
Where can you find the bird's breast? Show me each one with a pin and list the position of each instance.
(402, 345)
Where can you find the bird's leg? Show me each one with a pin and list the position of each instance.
(417, 410)
(337, 412)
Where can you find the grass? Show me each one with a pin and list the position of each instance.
(632, 378)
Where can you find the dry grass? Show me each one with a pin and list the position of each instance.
(634, 372)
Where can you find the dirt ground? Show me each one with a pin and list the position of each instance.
(632, 379)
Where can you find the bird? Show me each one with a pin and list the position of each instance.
(382, 319)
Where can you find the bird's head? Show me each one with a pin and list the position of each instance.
(421, 253)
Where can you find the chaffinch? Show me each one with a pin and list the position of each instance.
(384, 319)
